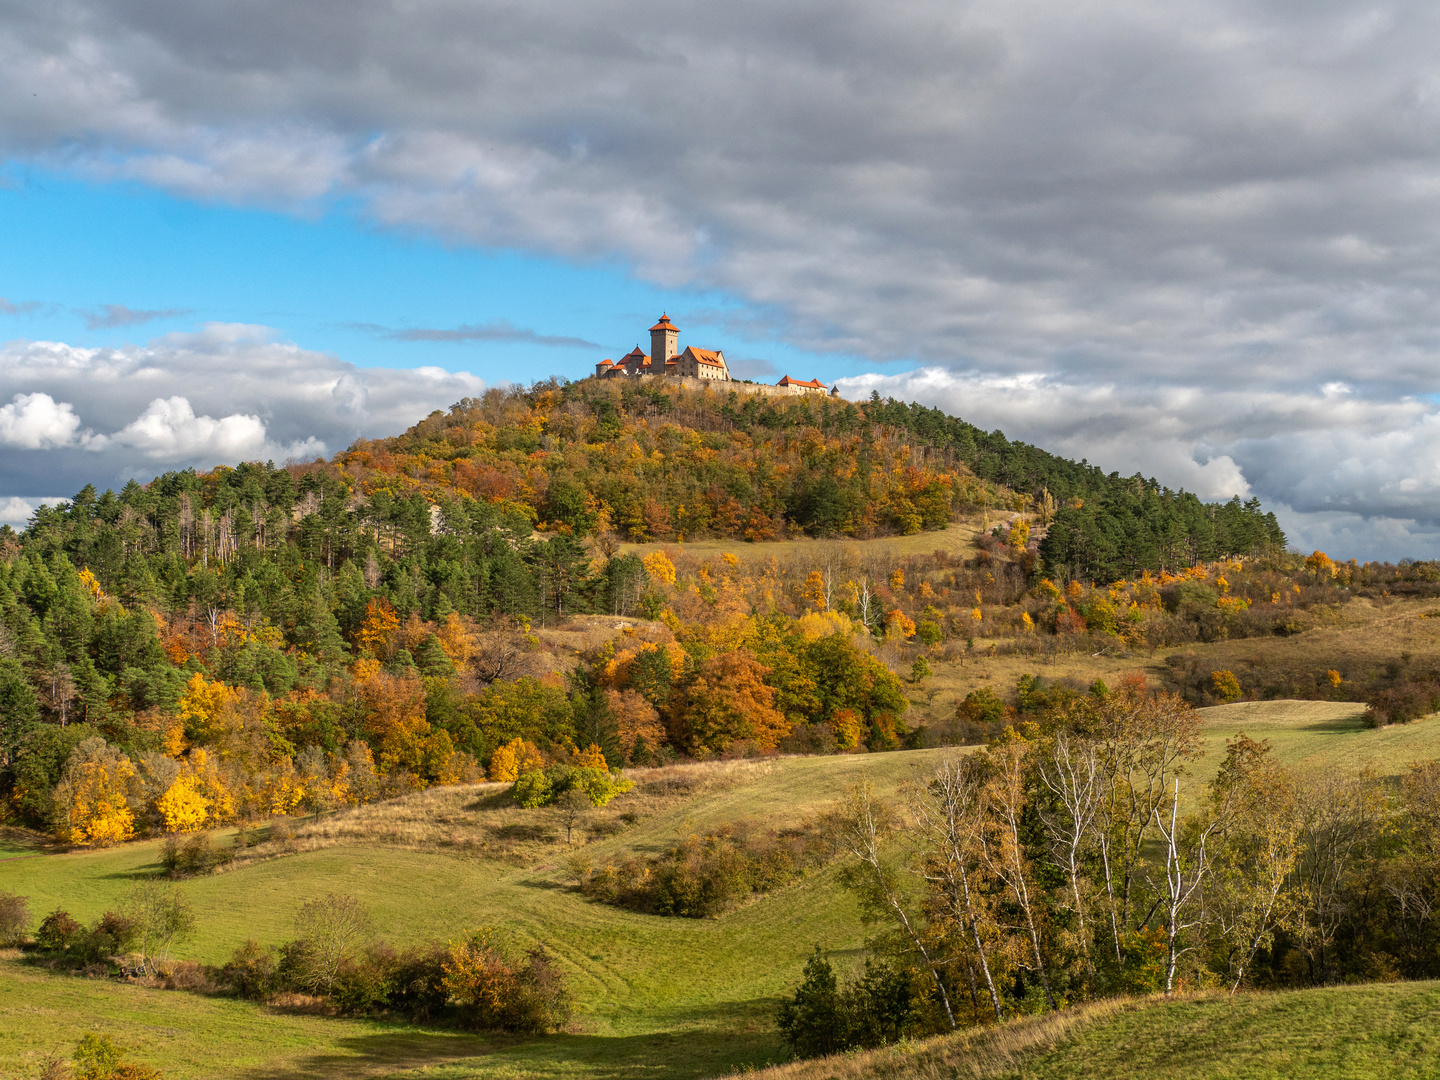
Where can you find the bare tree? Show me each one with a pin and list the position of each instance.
(162, 915)
(1071, 770)
(571, 807)
(949, 815)
(1003, 849)
(1143, 741)
(859, 828)
(329, 928)
(1251, 891)
(1187, 865)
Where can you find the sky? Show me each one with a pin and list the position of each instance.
(1194, 240)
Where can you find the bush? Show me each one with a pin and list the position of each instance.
(809, 739)
(113, 935)
(98, 1058)
(876, 1009)
(187, 856)
(541, 787)
(495, 992)
(58, 932)
(250, 972)
(14, 918)
(706, 874)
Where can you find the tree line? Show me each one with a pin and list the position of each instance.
(1077, 857)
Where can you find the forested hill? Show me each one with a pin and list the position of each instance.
(655, 462)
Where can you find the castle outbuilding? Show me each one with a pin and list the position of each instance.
(665, 359)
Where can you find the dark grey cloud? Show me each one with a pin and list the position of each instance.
(1201, 197)
(499, 330)
(8, 307)
(109, 316)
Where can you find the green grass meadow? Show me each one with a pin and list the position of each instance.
(657, 996)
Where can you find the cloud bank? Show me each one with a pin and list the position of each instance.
(224, 394)
(1191, 216)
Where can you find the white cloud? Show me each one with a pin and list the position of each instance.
(222, 394)
(37, 422)
(169, 430)
(16, 512)
(1352, 475)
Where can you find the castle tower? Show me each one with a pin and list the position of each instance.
(662, 344)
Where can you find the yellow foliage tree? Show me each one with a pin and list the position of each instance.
(592, 758)
(515, 757)
(458, 641)
(658, 565)
(91, 798)
(1320, 565)
(813, 590)
(201, 706)
(849, 727)
(204, 770)
(898, 625)
(182, 807)
(1227, 686)
(377, 632)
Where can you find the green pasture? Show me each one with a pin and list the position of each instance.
(657, 996)
(1309, 735)
(1385, 1030)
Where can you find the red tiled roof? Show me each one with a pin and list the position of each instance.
(705, 356)
(814, 384)
(634, 353)
(606, 363)
(664, 324)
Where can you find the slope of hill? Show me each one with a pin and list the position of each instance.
(1366, 1032)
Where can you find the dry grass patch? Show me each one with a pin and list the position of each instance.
(482, 821)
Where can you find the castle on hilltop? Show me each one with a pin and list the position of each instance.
(693, 363)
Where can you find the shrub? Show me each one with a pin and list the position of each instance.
(417, 982)
(162, 915)
(809, 739)
(363, 983)
(330, 927)
(14, 918)
(705, 874)
(541, 787)
(58, 932)
(495, 992)
(112, 935)
(250, 972)
(193, 854)
(98, 1058)
(875, 1009)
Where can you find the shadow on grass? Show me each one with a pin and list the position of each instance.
(682, 1054)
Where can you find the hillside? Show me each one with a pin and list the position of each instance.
(682, 997)
(1359, 1032)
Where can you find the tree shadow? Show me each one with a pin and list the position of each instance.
(685, 1055)
(524, 831)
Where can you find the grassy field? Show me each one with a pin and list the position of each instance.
(1374, 1032)
(658, 996)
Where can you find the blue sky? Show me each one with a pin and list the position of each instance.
(1196, 239)
(326, 280)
